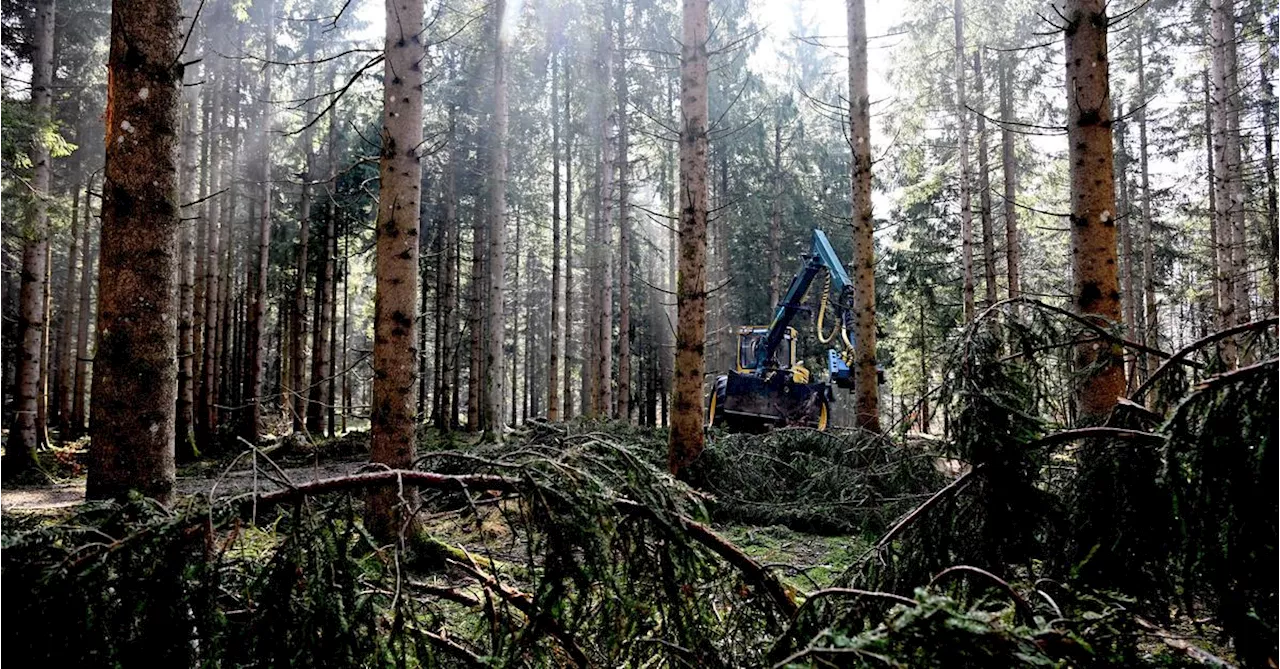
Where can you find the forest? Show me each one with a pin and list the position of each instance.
(639, 333)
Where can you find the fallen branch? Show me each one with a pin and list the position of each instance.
(1181, 645)
(1093, 432)
(951, 488)
(1018, 600)
(752, 570)
(1196, 345)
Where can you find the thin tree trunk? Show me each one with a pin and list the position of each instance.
(136, 371)
(1226, 154)
(24, 436)
(206, 393)
(298, 312)
(449, 295)
(775, 216)
(84, 315)
(475, 316)
(984, 184)
(1215, 244)
(396, 265)
(1151, 320)
(1010, 166)
(568, 245)
(66, 329)
(1096, 289)
(604, 238)
(1273, 217)
(317, 401)
(966, 212)
(686, 437)
(257, 303)
(553, 368)
(184, 436)
(866, 391)
(515, 322)
(624, 225)
(331, 407)
(42, 397)
(1129, 298)
(494, 390)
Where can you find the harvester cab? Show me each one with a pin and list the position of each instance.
(770, 386)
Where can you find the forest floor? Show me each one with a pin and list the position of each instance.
(805, 560)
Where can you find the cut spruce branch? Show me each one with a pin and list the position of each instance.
(1197, 345)
(752, 570)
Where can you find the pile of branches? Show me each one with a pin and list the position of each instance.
(836, 482)
(563, 550)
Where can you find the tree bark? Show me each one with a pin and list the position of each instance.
(396, 266)
(866, 390)
(494, 389)
(966, 210)
(207, 390)
(136, 368)
(1096, 289)
(24, 438)
(775, 214)
(686, 437)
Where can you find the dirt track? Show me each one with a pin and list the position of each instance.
(63, 495)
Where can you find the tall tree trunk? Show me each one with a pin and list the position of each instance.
(604, 237)
(475, 316)
(1129, 298)
(1009, 164)
(553, 366)
(24, 437)
(396, 265)
(775, 215)
(184, 436)
(317, 401)
(297, 379)
(624, 224)
(494, 390)
(1096, 289)
(136, 368)
(42, 394)
(515, 322)
(1239, 237)
(331, 383)
(66, 328)
(866, 391)
(84, 314)
(1226, 159)
(1151, 320)
(257, 316)
(206, 392)
(568, 244)
(984, 184)
(1273, 217)
(1215, 245)
(966, 210)
(686, 437)
(449, 293)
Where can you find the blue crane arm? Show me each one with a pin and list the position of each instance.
(821, 256)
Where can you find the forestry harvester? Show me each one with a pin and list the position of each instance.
(770, 387)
